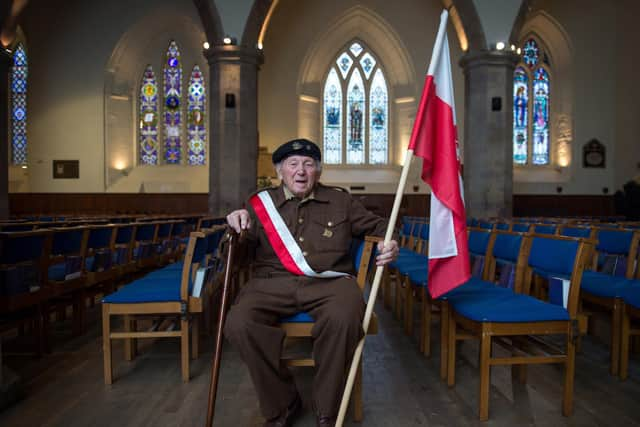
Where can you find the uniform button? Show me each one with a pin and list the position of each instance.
(300, 220)
(305, 253)
(330, 224)
(301, 239)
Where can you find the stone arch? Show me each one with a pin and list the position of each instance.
(358, 23)
(258, 17)
(467, 23)
(558, 47)
(137, 47)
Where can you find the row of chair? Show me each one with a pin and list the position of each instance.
(48, 269)
(613, 248)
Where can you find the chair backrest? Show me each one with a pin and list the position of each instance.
(194, 257)
(573, 231)
(505, 259)
(617, 248)
(28, 249)
(485, 225)
(544, 229)
(561, 258)
(364, 257)
(520, 227)
(480, 243)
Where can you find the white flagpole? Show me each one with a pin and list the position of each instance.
(390, 227)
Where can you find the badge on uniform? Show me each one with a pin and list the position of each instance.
(327, 233)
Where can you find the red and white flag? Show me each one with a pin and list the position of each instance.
(434, 138)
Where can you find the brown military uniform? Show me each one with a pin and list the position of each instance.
(323, 224)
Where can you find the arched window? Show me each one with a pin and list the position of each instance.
(164, 117)
(355, 109)
(531, 93)
(19, 72)
(149, 118)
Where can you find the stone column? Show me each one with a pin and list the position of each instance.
(5, 66)
(233, 107)
(488, 149)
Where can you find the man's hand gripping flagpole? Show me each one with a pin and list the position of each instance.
(392, 222)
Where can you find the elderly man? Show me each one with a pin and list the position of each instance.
(301, 232)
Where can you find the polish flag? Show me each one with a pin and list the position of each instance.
(434, 138)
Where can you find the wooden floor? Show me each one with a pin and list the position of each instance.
(401, 388)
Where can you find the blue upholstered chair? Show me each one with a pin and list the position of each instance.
(613, 263)
(67, 274)
(301, 324)
(24, 292)
(516, 320)
(171, 296)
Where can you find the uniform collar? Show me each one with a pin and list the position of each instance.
(284, 194)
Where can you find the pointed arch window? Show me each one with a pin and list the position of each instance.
(355, 106)
(169, 115)
(19, 72)
(148, 129)
(531, 94)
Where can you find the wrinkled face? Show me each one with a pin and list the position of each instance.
(299, 174)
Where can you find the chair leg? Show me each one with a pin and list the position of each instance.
(425, 323)
(616, 326)
(444, 339)
(397, 294)
(195, 336)
(386, 288)
(408, 303)
(106, 344)
(485, 376)
(358, 413)
(184, 349)
(129, 351)
(569, 374)
(624, 347)
(451, 350)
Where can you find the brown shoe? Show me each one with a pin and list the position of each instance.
(322, 421)
(286, 418)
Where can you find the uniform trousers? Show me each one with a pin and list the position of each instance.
(336, 305)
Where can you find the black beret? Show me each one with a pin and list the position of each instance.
(300, 147)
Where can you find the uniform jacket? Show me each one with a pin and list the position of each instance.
(324, 226)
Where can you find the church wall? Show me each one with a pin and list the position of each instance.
(298, 28)
(70, 45)
(627, 161)
(592, 31)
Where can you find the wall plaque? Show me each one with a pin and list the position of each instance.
(593, 154)
(66, 169)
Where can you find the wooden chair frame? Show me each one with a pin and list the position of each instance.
(187, 309)
(521, 339)
(627, 331)
(613, 305)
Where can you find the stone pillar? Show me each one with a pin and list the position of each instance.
(5, 67)
(233, 106)
(488, 149)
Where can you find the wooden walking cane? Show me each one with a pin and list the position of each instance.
(387, 237)
(217, 353)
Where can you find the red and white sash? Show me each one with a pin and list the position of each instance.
(281, 240)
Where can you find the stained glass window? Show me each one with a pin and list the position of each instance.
(378, 115)
(172, 105)
(355, 125)
(148, 128)
(531, 92)
(355, 108)
(196, 134)
(332, 141)
(520, 110)
(19, 106)
(541, 117)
